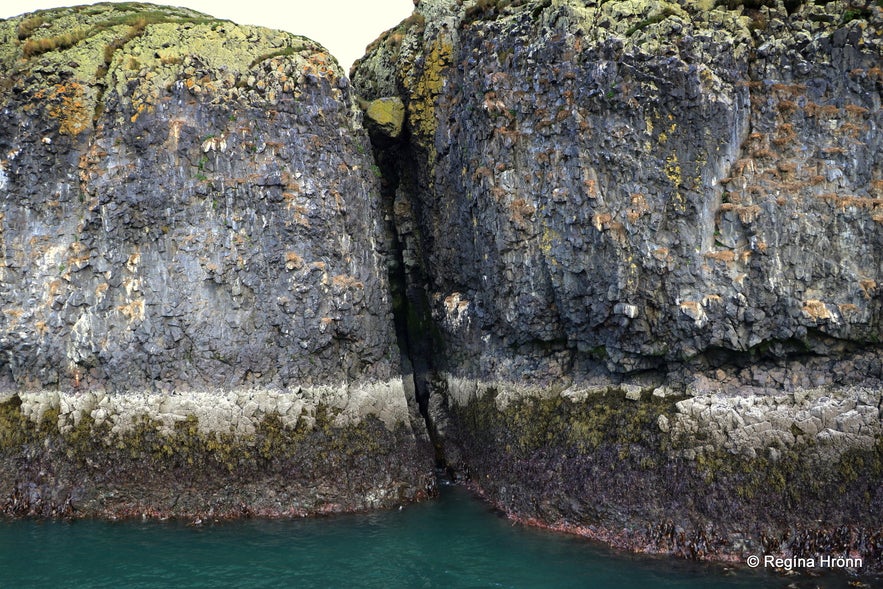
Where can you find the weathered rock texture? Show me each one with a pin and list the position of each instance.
(648, 237)
(192, 273)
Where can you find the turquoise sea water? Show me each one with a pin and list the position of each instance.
(454, 542)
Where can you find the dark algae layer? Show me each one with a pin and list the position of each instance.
(617, 264)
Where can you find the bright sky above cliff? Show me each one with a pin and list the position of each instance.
(344, 27)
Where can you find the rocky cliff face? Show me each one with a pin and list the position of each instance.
(647, 237)
(196, 314)
(630, 253)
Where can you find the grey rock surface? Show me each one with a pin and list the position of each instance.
(647, 239)
(192, 266)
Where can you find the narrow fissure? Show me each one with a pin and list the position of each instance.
(411, 313)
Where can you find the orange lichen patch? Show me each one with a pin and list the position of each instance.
(299, 214)
(134, 310)
(787, 106)
(821, 110)
(482, 172)
(41, 327)
(692, 309)
(789, 89)
(601, 220)
(293, 261)
(661, 253)
(785, 136)
(345, 281)
(520, 211)
(847, 309)
(454, 304)
(14, 314)
(67, 104)
(101, 290)
(53, 289)
(746, 213)
(764, 153)
(744, 165)
(816, 309)
(855, 110)
(79, 255)
(133, 261)
(638, 208)
(851, 130)
(722, 256)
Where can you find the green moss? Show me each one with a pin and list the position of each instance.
(854, 14)
(284, 52)
(386, 115)
(27, 26)
(580, 426)
(488, 9)
(14, 427)
(35, 47)
(423, 92)
(652, 20)
(274, 446)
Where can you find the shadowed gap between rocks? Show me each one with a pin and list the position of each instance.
(411, 312)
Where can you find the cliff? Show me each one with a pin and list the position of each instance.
(617, 263)
(196, 316)
(646, 240)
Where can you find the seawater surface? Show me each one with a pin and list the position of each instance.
(454, 542)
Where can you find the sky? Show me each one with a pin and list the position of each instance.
(344, 27)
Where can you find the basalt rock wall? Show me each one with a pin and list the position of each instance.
(196, 315)
(647, 237)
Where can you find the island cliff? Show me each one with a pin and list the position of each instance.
(647, 239)
(196, 316)
(618, 264)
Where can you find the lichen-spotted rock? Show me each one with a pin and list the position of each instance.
(645, 233)
(190, 212)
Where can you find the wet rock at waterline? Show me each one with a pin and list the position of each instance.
(196, 315)
(646, 242)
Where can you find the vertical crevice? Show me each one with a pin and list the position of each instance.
(411, 310)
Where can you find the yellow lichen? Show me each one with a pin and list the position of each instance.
(425, 90)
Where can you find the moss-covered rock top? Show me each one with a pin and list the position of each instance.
(82, 51)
